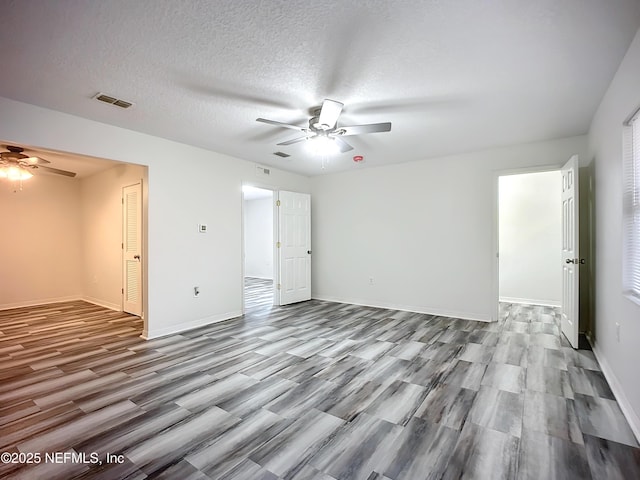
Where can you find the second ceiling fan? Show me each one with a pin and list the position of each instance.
(324, 124)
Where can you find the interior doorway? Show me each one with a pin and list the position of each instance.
(84, 214)
(259, 265)
(530, 238)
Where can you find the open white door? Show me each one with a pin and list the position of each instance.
(132, 249)
(570, 253)
(294, 252)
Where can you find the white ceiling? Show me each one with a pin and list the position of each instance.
(451, 76)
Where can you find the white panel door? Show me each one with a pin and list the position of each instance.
(132, 249)
(570, 251)
(294, 252)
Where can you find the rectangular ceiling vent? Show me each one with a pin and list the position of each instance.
(260, 171)
(281, 154)
(112, 100)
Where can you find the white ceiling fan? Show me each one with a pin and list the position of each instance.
(324, 125)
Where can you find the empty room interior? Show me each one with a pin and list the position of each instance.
(320, 240)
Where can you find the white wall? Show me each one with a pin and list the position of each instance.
(423, 230)
(530, 240)
(101, 226)
(620, 359)
(40, 248)
(178, 257)
(258, 238)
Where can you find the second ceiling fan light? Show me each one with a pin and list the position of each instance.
(323, 145)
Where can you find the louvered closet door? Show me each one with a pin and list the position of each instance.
(132, 248)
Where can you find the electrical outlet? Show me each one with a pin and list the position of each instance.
(196, 291)
(618, 332)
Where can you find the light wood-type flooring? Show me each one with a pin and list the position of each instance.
(313, 391)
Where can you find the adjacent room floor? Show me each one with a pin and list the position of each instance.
(258, 295)
(315, 390)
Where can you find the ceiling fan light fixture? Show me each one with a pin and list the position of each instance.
(323, 145)
(15, 173)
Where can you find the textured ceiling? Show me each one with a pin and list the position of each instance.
(452, 76)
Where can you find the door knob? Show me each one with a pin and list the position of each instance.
(309, 252)
(136, 257)
(576, 261)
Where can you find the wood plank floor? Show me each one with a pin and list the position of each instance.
(258, 294)
(310, 391)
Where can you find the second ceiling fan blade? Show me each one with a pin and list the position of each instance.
(281, 124)
(342, 145)
(370, 128)
(33, 160)
(329, 113)
(57, 170)
(291, 142)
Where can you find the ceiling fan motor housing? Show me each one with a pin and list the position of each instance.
(319, 129)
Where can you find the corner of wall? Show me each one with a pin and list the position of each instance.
(618, 392)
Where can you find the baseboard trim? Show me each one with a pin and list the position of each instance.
(618, 392)
(101, 303)
(42, 301)
(530, 301)
(408, 308)
(185, 326)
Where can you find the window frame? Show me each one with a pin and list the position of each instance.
(631, 208)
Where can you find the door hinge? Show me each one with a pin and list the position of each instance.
(277, 203)
(122, 246)
(122, 200)
(278, 286)
(278, 244)
(123, 291)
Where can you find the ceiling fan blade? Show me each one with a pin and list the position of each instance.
(295, 140)
(342, 145)
(281, 124)
(370, 128)
(57, 170)
(329, 113)
(33, 160)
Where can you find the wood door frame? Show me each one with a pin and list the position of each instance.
(276, 272)
(495, 236)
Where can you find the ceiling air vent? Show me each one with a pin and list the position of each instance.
(112, 100)
(281, 154)
(260, 171)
